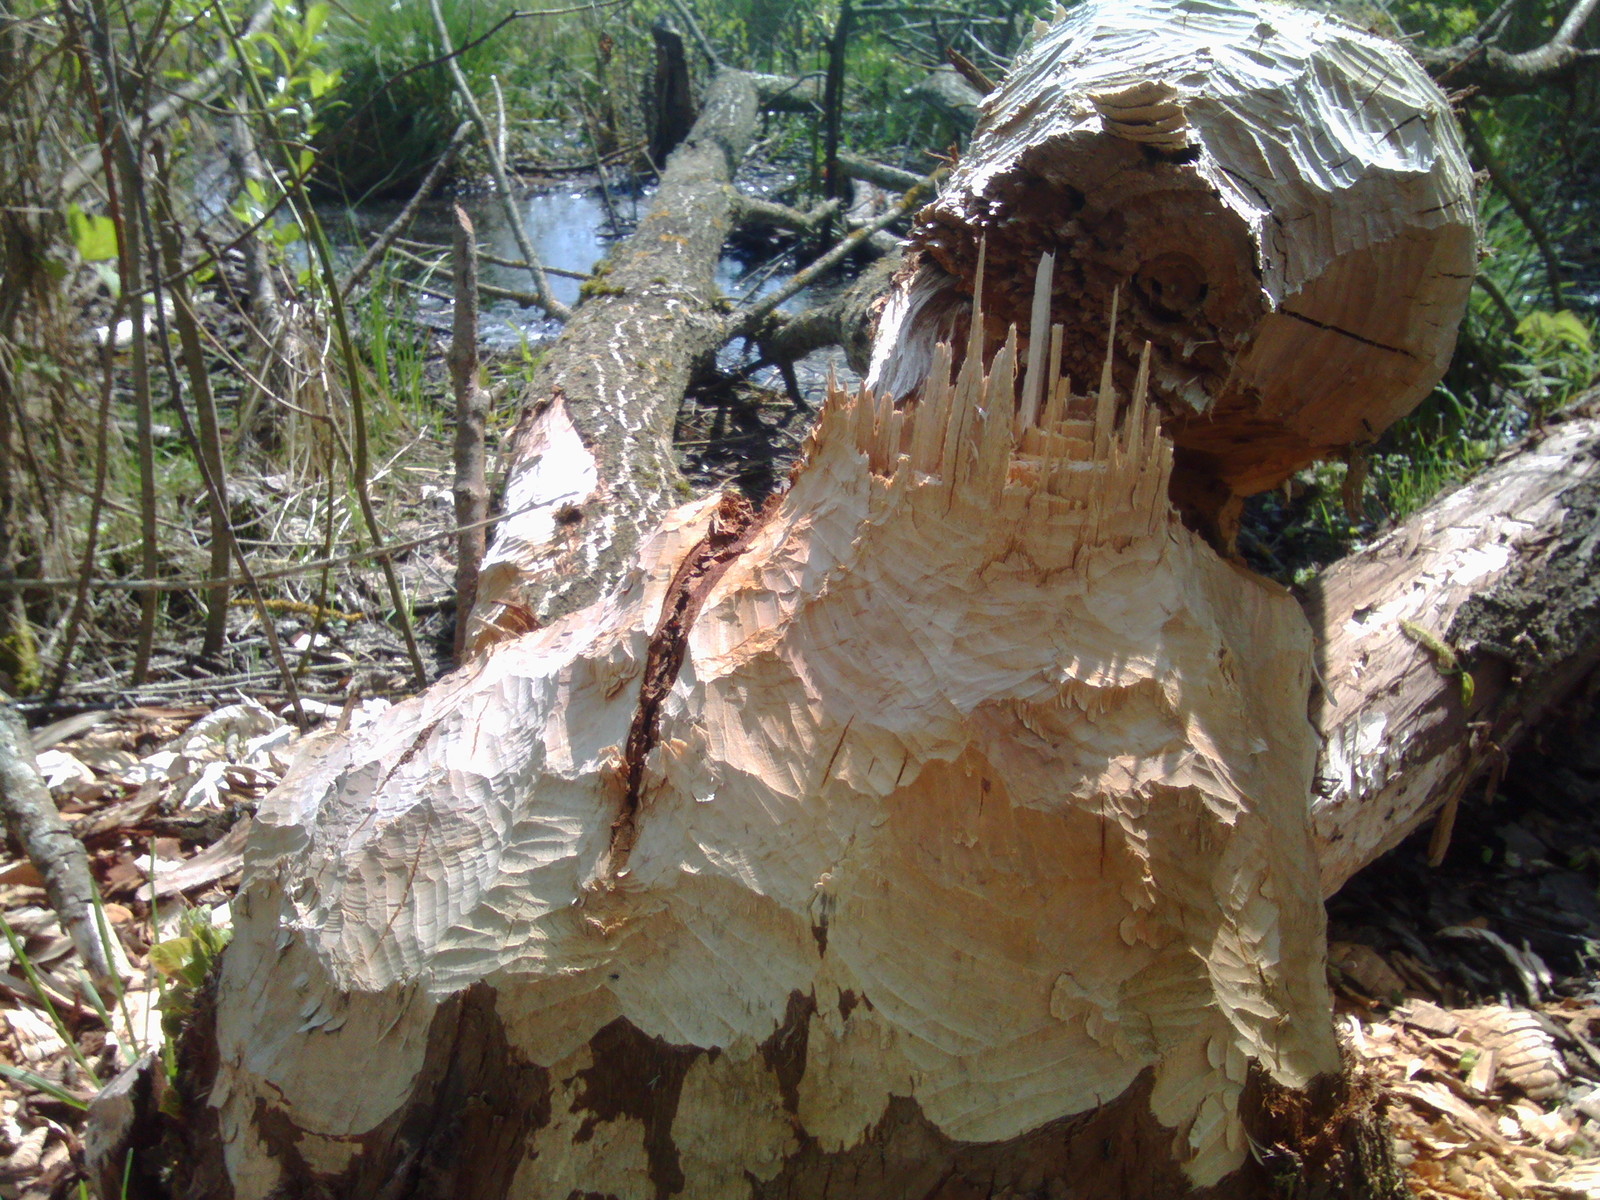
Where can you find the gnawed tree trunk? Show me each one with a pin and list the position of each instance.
(941, 830)
(792, 861)
(495, 1070)
(1282, 203)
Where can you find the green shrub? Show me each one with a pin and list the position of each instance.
(395, 107)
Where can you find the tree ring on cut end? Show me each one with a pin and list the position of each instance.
(1171, 286)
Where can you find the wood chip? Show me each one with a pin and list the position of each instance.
(1528, 1058)
(1429, 1018)
(216, 862)
(1484, 1072)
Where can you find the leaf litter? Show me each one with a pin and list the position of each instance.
(1468, 994)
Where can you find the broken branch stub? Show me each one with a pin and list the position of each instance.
(1282, 202)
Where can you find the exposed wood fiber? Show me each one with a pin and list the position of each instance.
(970, 810)
(1282, 201)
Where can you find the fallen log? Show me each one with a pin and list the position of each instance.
(847, 321)
(591, 460)
(1446, 640)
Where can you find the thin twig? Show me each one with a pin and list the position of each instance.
(408, 214)
(78, 175)
(497, 169)
(358, 409)
(97, 504)
(208, 457)
(124, 169)
(209, 443)
(472, 407)
(1519, 204)
(443, 251)
(700, 39)
(305, 568)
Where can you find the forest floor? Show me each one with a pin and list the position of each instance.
(1468, 993)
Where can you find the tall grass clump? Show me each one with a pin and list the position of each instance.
(392, 112)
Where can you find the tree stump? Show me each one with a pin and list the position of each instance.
(943, 829)
(944, 822)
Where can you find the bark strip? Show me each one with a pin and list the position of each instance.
(735, 521)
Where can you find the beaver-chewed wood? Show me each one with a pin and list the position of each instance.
(944, 821)
(1281, 202)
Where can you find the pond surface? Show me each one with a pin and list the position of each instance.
(571, 229)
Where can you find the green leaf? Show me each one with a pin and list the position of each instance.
(322, 82)
(172, 956)
(40, 1084)
(316, 18)
(1556, 329)
(95, 237)
(283, 55)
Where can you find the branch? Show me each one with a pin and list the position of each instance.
(746, 323)
(1501, 178)
(787, 93)
(497, 167)
(748, 210)
(879, 173)
(402, 222)
(59, 857)
(1479, 62)
(88, 164)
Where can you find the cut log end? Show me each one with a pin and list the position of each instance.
(1281, 202)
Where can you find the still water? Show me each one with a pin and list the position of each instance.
(570, 229)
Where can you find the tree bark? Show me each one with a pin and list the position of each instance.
(672, 109)
(471, 489)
